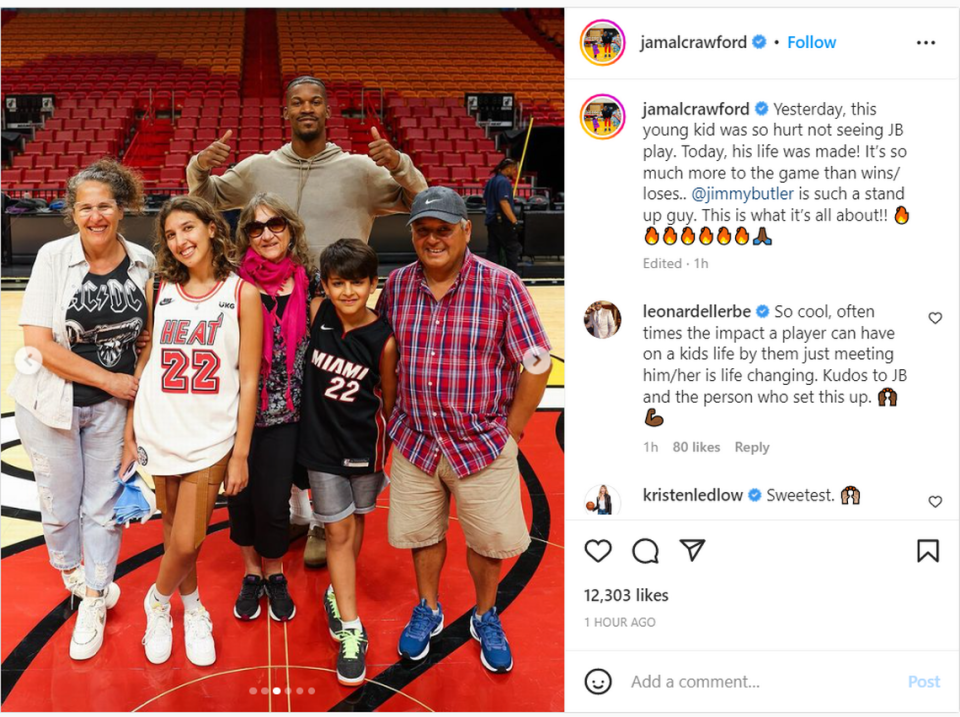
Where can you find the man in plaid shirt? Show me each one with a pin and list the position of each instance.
(463, 327)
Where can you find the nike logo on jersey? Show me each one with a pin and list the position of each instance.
(168, 300)
(324, 327)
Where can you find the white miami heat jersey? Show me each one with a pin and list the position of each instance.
(185, 414)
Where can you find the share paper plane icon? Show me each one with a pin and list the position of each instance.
(693, 547)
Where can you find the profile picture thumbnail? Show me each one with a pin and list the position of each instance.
(602, 42)
(602, 500)
(602, 116)
(602, 319)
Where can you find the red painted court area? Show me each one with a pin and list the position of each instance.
(268, 666)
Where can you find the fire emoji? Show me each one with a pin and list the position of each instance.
(742, 236)
(724, 236)
(687, 236)
(706, 236)
(652, 237)
(901, 216)
(669, 236)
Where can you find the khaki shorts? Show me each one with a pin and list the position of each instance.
(488, 505)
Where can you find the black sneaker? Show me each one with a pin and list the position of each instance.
(334, 623)
(278, 597)
(248, 604)
(352, 660)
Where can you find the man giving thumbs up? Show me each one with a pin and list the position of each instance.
(335, 193)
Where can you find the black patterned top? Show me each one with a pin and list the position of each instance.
(277, 411)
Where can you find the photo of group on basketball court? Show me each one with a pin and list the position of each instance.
(291, 323)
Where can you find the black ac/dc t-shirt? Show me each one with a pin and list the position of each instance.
(104, 318)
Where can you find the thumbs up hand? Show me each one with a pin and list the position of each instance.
(216, 154)
(382, 153)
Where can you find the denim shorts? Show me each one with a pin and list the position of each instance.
(336, 497)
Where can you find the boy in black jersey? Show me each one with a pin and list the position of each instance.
(350, 385)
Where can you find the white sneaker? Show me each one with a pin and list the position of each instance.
(76, 583)
(198, 637)
(158, 640)
(88, 632)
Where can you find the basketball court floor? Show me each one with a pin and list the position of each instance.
(275, 667)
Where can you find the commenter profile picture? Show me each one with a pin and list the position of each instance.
(602, 42)
(602, 116)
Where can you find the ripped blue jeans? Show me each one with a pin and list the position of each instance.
(76, 471)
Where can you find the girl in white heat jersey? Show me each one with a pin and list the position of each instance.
(194, 415)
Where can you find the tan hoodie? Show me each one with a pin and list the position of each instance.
(336, 194)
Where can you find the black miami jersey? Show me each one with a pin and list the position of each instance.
(342, 426)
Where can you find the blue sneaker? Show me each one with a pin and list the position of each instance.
(494, 648)
(415, 640)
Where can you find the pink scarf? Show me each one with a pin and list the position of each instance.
(270, 277)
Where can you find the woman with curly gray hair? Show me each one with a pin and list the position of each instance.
(87, 301)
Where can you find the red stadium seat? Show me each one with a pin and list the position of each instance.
(46, 161)
(451, 159)
(464, 145)
(436, 173)
(176, 159)
(25, 161)
(172, 176)
(34, 176)
(461, 174)
(58, 177)
(443, 145)
(13, 177)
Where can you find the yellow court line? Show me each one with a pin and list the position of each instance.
(541, 540)
(269, 670)
(286, 655)
(270, 692)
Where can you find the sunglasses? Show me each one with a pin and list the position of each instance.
(255, 229)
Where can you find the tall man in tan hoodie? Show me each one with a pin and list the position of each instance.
(337, 195)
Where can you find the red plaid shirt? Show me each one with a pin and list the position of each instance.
(459, 362)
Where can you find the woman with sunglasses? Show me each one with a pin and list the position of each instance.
(273, 249)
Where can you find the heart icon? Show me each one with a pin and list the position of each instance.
(598, 549)
(935, 316)
(935, 501)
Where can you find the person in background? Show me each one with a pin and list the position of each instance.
(501, 220)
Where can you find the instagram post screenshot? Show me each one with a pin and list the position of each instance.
(762, 444)
(309, 404)
(283, 358)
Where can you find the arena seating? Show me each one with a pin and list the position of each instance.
(159, 105)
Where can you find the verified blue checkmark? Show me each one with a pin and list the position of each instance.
(754, 494)
(761, 108)
(759, 41)
(763, 311)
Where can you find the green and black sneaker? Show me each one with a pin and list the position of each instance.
(352, 661)
(333, 614)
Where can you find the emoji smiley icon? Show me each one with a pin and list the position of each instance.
(598, 682)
